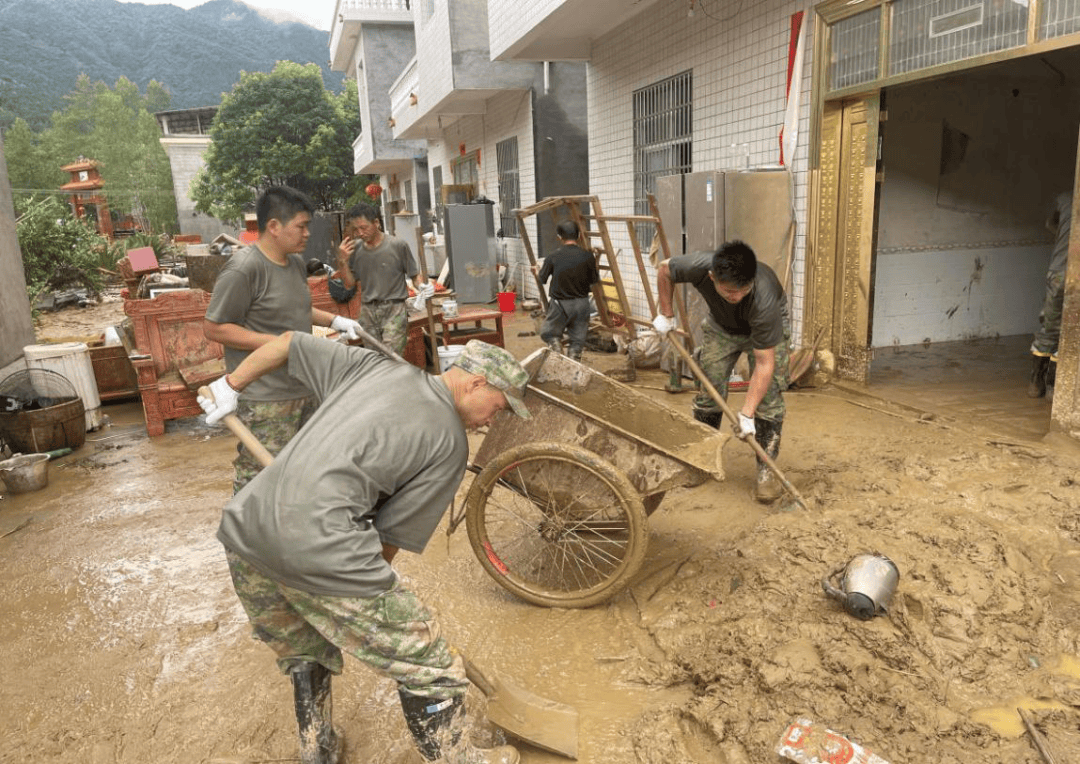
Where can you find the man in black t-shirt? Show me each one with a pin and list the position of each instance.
(748, 313)
(573, 272)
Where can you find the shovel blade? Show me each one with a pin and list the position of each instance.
(542, 722)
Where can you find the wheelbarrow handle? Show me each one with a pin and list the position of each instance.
(715, 394)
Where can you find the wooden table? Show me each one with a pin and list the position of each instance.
(471, 324)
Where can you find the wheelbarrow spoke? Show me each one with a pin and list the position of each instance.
(556, 524)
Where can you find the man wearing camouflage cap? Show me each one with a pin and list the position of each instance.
(310, 539)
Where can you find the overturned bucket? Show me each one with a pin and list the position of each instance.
(22, 474)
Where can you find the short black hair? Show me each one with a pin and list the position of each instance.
(281, 203)
(568, 230)
(364, 210)
(734, 263)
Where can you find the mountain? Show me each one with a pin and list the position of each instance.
(196, 54)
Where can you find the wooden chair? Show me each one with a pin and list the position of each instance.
(173, 357)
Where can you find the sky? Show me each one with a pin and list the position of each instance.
(316, 13)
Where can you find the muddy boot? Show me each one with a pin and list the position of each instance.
(311, 695)
(556, 347)
(768, 488)
(1051, 377)
(711, 418)
(575, 355)
(436, 727)
(1037, 385)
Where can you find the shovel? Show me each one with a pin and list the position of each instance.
(543, 723)
(758, 450)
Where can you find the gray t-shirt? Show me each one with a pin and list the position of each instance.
(260, 295)
(379, 461)
(761, 315)
(381, 271)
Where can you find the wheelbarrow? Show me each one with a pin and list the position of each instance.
(558, 510)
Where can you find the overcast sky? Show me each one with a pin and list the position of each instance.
(317, 13)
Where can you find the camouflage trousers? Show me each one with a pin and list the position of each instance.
(1046, 339)
(387, 322)
(394, 633)
(718, 353)
(273, 423)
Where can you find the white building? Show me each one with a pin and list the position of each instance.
(438, 113)
(926, 140)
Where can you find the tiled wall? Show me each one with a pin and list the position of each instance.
(738, 53)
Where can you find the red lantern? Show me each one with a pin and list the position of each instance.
(373, 190)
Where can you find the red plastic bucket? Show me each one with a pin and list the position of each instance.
(506, 301)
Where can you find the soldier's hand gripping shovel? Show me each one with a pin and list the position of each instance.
(715, 394)
(543, 723)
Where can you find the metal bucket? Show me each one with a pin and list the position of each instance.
(22, 474)
(867, 585)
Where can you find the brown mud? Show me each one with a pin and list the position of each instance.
(122, 641)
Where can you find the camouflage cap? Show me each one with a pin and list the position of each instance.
(500, 369)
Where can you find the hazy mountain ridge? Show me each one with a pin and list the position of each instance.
(197, 54)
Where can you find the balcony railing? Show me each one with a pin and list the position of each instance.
(349, 15)
(372, 5)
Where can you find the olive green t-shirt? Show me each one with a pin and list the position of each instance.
(379, 461)
(265, 297)
(381, 271)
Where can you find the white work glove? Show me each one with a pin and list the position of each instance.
(222, 400)
(346, 327)
(662, 324)
(746, 426)
(424, 293)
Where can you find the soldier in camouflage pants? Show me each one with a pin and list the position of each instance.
(717, 356)
(273, 423)
(1044, 346)
(402, 639)
(387, 321)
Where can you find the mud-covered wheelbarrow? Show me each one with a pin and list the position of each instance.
(558, 510)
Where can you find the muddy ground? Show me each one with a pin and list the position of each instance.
(122, 641)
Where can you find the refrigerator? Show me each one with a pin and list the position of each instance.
(702, 210)
(471, 248)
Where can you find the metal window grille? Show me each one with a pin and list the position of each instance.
(856, 41)
(663, 138)
(926, 33)
(407, 196)
(506, 154)
(1058, 17)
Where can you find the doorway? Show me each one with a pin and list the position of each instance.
(971, 166)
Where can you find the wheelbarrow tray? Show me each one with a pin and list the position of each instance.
(656, 446)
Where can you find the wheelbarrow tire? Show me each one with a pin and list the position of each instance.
(556, 524)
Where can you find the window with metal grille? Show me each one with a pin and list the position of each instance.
(506, 154)
(926, 33)
(1058, 17)
(853, 57)
(663, 135)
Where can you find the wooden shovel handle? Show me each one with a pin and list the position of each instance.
(240, 430)
(715, 394)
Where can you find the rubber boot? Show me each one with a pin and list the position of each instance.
(311, 695)
(711, 418)
(768, 488)
(1051, 377)
(1039, 367)
(575, 355)
(556, 346)
(436, 727)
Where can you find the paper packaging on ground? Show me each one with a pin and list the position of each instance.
(805, 742)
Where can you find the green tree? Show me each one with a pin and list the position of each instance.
(59, 251)
(115, 127)
(29, 166)
(282, 128)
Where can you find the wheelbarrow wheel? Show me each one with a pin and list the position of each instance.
(556, 524)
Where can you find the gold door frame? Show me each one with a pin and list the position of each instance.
(1065, 411)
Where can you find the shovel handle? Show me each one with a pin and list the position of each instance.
(378, 345)
(240, 430)
(715, 394)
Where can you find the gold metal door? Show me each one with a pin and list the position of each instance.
(842, 271)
